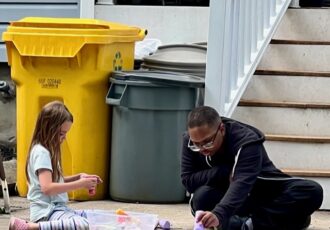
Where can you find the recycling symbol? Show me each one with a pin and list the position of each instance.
(117, 62)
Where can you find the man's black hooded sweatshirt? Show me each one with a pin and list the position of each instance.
(241, 160)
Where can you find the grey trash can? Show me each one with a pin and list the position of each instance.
(149, 116)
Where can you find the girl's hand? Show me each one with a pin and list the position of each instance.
(91, 190)
(88, 182)
(85, 175)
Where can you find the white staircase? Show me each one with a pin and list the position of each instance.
(288, 98)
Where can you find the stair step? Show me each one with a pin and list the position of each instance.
(288, 88)
(288, 97)
(283, 104)
(305, 24)
(298, 42)
(295, 138)
(307, 173)
(286, 120)
(292, 73)
(299, 155)
(298, 58)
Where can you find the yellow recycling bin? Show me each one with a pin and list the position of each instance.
(68, 60)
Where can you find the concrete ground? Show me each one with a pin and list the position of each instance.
(178, 214)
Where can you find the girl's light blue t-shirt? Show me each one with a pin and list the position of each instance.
(41, 205)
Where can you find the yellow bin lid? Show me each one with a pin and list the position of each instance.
(64, 37)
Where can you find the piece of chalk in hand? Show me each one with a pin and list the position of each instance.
(164, 224)
(198, 226)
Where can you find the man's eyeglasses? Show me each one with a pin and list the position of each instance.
(208, 145)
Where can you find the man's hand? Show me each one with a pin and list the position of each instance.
(208, 219)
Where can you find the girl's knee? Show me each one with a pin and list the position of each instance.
(83, 224)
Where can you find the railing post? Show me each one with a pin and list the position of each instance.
(247, 33)
(266, 13)
(214, 96)
(234, 70)
(260, 18)
(254, 29)
(273, 8)
(241, 13)
(227, 50)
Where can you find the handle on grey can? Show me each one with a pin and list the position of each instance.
(111, 100)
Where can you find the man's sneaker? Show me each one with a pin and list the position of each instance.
(240, 223)
(18, 224)
(247, 224)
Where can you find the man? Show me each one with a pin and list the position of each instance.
(226, 169)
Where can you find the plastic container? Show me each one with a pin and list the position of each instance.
(150, 111)
(109, 220)
(68, 60)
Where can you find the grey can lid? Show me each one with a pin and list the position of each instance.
(159, 78)
(179, 55)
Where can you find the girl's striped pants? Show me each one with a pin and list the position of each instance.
(65, 220)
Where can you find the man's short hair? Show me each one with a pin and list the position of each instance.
(203, 115)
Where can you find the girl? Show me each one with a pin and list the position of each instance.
(47, 186)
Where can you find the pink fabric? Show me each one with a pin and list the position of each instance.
(18, 224)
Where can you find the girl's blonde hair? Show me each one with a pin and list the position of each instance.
(47, 133)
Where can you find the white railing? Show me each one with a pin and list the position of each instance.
(239, 32)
